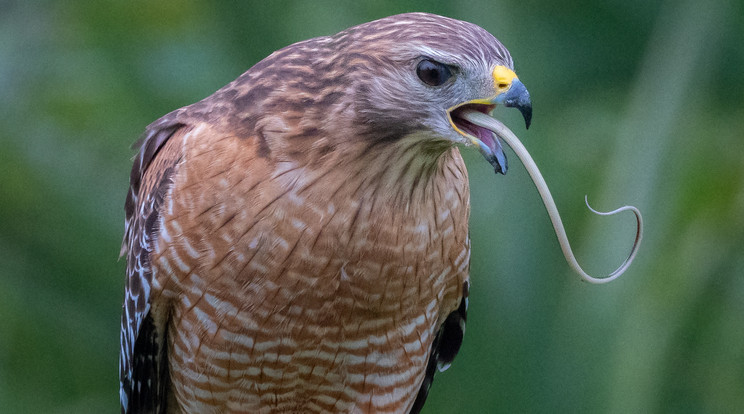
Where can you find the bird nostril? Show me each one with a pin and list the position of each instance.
(503, 85)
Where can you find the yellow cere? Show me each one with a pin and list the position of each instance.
(502, 78)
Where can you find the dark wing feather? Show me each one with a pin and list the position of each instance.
(143, 376)
(444, 348)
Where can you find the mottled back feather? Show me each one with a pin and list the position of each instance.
(142, 364)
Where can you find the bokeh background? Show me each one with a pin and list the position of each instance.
(635, 102)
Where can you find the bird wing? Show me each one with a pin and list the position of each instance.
(446, 344)
(142, 364)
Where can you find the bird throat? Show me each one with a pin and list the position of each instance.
(411, 167)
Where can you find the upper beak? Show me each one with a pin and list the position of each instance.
(517, 97)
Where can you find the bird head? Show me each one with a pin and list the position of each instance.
(418, 72)
(405, 76)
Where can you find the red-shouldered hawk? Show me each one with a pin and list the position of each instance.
(298, 241)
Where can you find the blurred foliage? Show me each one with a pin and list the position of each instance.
(636, 101)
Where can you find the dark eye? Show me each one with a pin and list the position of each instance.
(433, 73)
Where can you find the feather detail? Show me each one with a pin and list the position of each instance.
(142, 362)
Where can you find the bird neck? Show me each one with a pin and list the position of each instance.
(413, 165)
(401, 172)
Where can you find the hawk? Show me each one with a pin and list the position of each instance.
(298, 241)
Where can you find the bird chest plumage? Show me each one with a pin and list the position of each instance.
(331, 273)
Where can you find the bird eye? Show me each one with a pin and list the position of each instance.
(432, 72)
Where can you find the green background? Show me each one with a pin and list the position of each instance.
(635, 102)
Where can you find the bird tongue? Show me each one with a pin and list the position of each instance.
(493, 151)
(489, 132)
(489, 143)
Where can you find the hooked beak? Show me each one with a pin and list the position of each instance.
(510, 92)
(517, 97)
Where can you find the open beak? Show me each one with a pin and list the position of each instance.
(510, 92)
